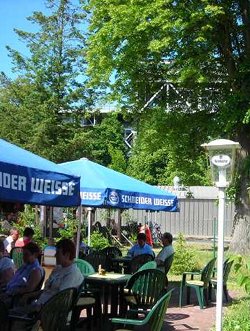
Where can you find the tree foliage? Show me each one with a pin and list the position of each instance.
(136, 47)
(47, 99)
(43, 109)
(168, 146)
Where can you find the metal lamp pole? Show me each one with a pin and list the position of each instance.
(222, 154)
(221, 184)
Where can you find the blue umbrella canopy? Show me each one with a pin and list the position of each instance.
(104, 187)
(28, 178)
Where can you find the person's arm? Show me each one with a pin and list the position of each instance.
(32, 283)
(6, 276)
(131, 251)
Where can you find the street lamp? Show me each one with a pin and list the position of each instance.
(222, 154)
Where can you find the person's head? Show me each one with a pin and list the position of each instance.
(141, 239)
(65, 252)
(14, 233)
(31, 251)
(167, 239)
(28, 233)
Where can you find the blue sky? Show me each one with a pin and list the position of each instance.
(13, 14)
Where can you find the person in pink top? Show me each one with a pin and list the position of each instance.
(28, 234)
(145, 229)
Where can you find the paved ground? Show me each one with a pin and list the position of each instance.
(188, 318)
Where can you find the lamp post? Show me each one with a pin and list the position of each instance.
(222, 153)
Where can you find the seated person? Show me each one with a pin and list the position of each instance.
(29, 275)
(9, 242)
(6, 267)
(141, 247)
(28, 234)
(65, 275)
(166, 251)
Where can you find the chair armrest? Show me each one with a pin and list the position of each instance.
(127, 321)
(28, 297)
(192, 272)
(23, 317)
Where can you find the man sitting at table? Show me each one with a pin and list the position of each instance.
(141, 247)
(166, 251)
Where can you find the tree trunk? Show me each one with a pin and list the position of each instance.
(240, 243)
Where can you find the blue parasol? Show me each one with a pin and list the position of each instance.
(103, 187)
(28, 178)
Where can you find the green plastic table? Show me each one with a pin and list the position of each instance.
(112, 284)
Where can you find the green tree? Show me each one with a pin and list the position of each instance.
(202, 47)
(167, 146)
(52, 81)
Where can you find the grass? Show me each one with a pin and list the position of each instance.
(238, 316)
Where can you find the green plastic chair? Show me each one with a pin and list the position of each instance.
(153, 320)
(138, 261)
(54, 315)
(168, 263)
(16, 254)
(200, 285)
(95, 259)
(144, 288)
(111, 252)
(89, 298)
(226, 271)
(148, 265)
(85, 267)
(3, 316)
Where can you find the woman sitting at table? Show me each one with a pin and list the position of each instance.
(27, 277)
(141, 247)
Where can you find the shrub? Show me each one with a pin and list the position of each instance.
(27, 218)
(98, 241)
(184, 258)
(70, 229)
(242, 269)
(238, 316)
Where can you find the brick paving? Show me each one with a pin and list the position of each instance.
(189, 317)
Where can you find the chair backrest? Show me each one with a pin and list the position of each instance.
(95, 259)
(148, 265)
(111, 251)
(3, 316)
(147, 286)
(85, 267)
(207, 271)
(156, 315)
(168, 263)
(138, 261)
(226, 269)
(54, 314)
(16, 255)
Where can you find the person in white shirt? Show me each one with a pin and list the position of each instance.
(9, 242)
(166, 251)
(65, 275)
